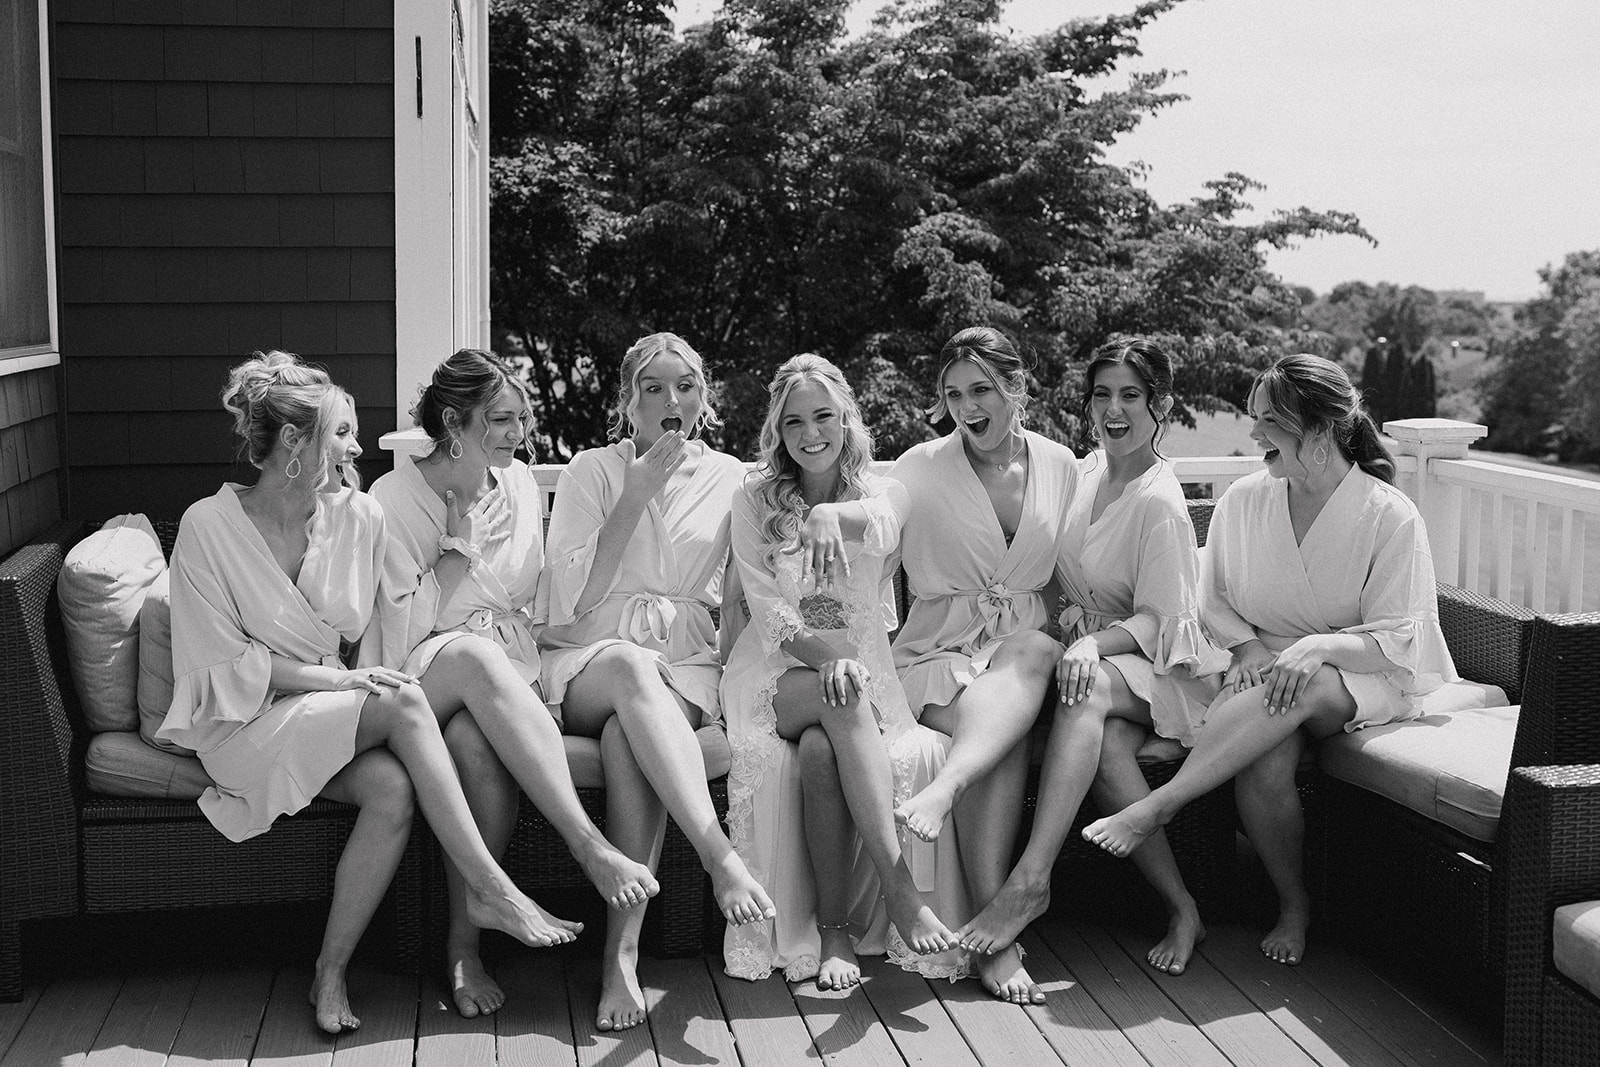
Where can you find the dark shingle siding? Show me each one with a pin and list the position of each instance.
(226, 173)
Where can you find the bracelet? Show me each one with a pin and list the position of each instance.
(463, 546)
(833, 926)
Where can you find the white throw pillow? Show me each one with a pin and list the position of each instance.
(101, 588)
(155, 662)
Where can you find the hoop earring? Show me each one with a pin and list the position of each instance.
(1319, 455)
(291, 469)
(455, 447)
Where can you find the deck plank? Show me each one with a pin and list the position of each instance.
(685, 1015)
(63, 1023)
(1314, 1022)
(844, 1026)
(143, 1023)
(916, 1022)
(1146, 1016)
(613, 1048)
(534, 1029)
(444, 1037)
(1401, 1026)
(12, 1016)
(1214, 1004)
(1075, 1026)
(289, 1036)
(386, 1004)
(765, 1020)
(224, 1018)
(996, 1031)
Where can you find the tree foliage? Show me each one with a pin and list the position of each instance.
(765, 186)
(1544, 394)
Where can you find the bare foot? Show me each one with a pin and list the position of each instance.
(919, 927)
(510, 911)
(474, 992)
(839, 967)
(1125, 831)
(1286, 942)
(737, 892)
(1019, 902)
(1184, 931)
(624, 883)
(925, 813)
(621, 1000)
(332, 1001)
(1003, 974)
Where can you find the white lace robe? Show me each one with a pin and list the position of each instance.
(764, 799)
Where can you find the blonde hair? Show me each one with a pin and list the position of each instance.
(779, 485)
(273, 390)
(635, 360)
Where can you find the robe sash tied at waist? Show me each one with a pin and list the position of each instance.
(996, 604)
(1077, 622)
(647, 618)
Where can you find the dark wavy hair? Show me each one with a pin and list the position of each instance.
(1151, 362)
(461, 385)
(1311, 394)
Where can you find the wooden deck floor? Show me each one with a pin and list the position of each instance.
(1105, 1007)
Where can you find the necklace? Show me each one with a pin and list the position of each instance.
(1022, 442)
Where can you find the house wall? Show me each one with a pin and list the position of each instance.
(226, 183)
(30, 456)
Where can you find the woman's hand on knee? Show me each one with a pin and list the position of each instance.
(1076, 670)
(373, 679)
(843, 680)
(1291, 673)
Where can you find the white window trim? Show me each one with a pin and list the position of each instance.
(33, 357)
(426, 319)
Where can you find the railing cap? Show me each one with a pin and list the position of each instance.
(1434, 431)
(412, 442)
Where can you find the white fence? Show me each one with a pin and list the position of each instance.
(1527, 536)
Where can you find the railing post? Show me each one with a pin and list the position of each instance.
(1428, 440)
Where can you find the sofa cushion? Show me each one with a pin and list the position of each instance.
(1576, 947)
(583, 756)
(155, 663)
(119, 764)
(101, 587)
(1450, 768)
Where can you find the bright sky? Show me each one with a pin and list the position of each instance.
(1465, 134)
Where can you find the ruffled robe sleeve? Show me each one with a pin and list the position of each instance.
(1166, 609)
(1226, 626)
(773, 614)
(1399, 607)
(570, 545)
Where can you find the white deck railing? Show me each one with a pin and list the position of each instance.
(1526, 536)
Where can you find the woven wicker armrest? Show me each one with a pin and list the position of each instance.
(1560, 720)
(1488, 637)
(1551, 858)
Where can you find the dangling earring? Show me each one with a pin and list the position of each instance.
(291, 469)
(455, 447)
(1319, 455)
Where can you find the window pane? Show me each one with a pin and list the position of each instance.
(24, 284)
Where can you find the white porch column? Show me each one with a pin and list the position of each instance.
(1428, 440)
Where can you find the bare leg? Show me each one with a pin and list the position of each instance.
(868, 785)
(638, 824)
(623, 680)
(492, 795)
(376, 783)
(830, 841)
(1269, 807)
(403, 720)
(987, 816)
(475, 673)
(1069, 767)
(985, 721)
(1238, 731)
(1119, 783)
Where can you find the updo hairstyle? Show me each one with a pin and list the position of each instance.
(273, 390)
(635, 360)
(1312, 394)
(461, 385)
(994, 354)
(1151, 362)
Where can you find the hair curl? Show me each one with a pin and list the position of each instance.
(1151, 362)
(1310, 395)
(462, 386)
(274, 389)
(779, 474)
(992, 353)
(635, 360)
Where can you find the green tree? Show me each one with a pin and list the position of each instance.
(764, 186)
